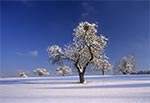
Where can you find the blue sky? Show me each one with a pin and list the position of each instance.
(28, 27)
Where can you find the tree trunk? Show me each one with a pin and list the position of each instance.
(103, 72)
(81, 77)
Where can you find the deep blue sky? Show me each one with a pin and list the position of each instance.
(29, 27)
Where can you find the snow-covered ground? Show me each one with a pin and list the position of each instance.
(98, 89)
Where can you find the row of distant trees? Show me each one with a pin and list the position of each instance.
(120, 67)
(38, 71)
(43, 72)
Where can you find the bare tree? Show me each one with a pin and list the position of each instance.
(86, 50)
(126, 65)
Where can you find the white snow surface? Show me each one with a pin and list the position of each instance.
(97, 89)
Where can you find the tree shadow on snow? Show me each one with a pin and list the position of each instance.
(139, 85)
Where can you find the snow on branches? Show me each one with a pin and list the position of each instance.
(86, 34)
(85, 27)
(55, 54)
(102, 65)
(126, 65)
(41, 72)
(63, 70)
(23, 74)
(87, 48)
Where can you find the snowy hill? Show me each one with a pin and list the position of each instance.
(98, 89)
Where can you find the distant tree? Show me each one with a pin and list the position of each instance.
(126, 65)
(103, 66)
(63, 70)
(41, 72)
(86, 50)
(23, 74)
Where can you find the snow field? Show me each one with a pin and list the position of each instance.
(98, 89)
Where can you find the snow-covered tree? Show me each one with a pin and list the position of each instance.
(103, 66)
(106, 66)
(126, 65)
(63, 70)
(86, 50)
(41, 72)
(23, 74)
